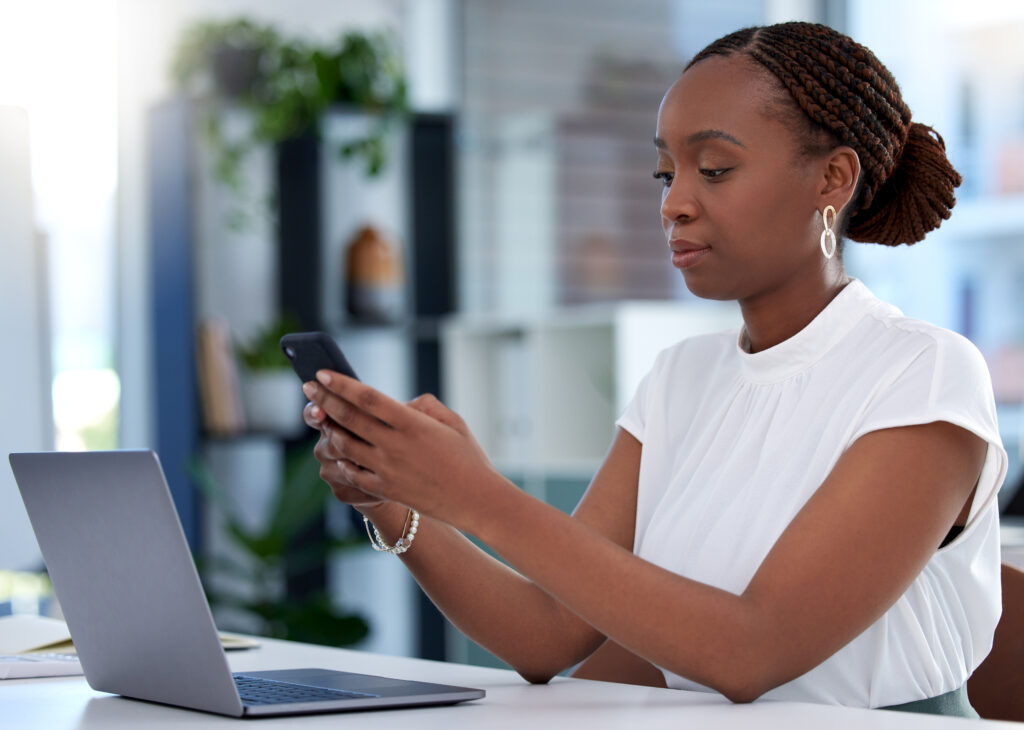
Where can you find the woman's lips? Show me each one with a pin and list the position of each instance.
(686, 254)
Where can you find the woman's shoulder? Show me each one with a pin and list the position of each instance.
(917, 371)
(927, 335)
(915, 337)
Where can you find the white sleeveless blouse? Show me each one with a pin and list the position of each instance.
(735, 443)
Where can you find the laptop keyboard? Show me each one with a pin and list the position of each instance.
(262, 691)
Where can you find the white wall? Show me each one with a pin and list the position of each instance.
(26, 421)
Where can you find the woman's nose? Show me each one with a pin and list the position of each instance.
(678, 202)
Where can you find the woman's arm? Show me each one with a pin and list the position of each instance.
(848, 555)
(613, 663)
(488, 601)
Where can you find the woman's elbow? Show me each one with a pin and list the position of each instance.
(741, 686)
(542, 667)
(742, 683)
(535, 671)
(748, 666)
(535, 677)
(745, 686)
(742, 694)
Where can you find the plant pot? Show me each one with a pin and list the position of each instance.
(236, 71)
(273, 402)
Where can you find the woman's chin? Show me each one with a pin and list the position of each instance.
(706, 288)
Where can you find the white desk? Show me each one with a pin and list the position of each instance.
(66, 703)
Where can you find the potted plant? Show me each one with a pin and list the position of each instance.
(227, 58)
(271, 394)
(252, 581)
(288, 84)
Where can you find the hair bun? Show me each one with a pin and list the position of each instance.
(915, 199)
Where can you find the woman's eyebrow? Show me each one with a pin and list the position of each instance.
(700, 136)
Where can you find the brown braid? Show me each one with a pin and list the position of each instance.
(850, 98)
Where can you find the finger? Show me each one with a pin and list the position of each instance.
(324, 449)
(351, 448)
(334, 474)
(343, 413)
(431, 406)
(329, 426)
(329, 459)
(367, 399)
(313, 415)
(358, 477)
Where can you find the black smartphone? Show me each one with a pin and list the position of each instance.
(309, 352)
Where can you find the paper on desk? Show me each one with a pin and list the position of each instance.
(21, 634)
(30, 666)
(230, 642)
(24, 633)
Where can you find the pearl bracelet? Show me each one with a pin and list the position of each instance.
(412, 523)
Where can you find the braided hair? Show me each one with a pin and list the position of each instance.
(849, 98)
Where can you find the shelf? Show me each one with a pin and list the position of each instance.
(542, 393)
(402, 327)
(564, 470)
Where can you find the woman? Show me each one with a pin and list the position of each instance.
(769, 516)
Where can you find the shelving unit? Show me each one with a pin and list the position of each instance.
(247, 277)
(542, 393)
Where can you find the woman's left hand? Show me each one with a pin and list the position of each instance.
(421, 455)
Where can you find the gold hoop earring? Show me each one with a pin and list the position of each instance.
(828, 233)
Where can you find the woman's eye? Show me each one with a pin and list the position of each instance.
(712, 173)
(664, 176)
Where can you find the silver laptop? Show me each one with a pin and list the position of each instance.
(125, 579)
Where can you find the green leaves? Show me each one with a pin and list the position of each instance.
(289, 84)
(269, 549)
(263, 350)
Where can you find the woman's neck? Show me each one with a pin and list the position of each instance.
(776, 315)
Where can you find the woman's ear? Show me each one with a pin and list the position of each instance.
(839, 181)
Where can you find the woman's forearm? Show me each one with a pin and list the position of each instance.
(696, 630)
(489, 602)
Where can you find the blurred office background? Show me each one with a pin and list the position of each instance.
(510, 243)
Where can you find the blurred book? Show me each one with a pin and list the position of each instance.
(219, 388)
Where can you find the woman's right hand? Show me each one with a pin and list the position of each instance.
(330, 472)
